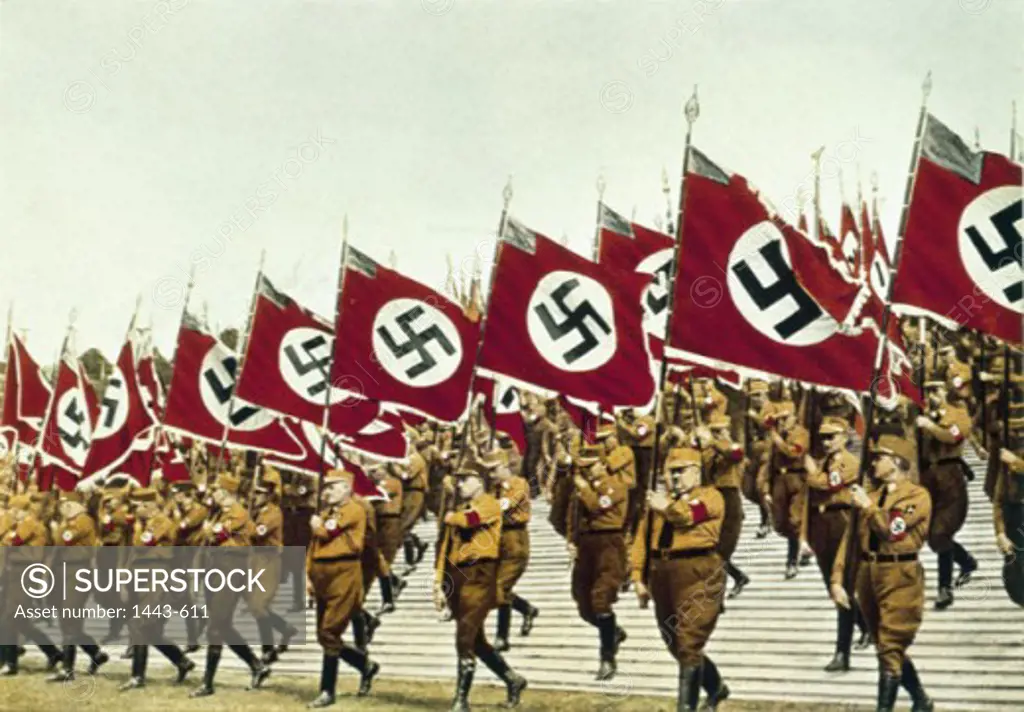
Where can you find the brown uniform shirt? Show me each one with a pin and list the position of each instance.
(696, 521)
(514, 499)
(393, 506)
(725, 463)
(78, 532)
(603, 504)
(341, 534)
(269, 526)
(477, 532)
(416, 474)
(232, 527)
(955, 424)
(116, 525)
(190, 525)
(622, 462)
(639, 433)
(830, 484)
(154, 537)
(900, 526)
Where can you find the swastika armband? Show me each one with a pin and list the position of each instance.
(897, 525)
(698, 511)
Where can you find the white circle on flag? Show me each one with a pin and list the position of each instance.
(989, 235)
(655, 297)
(73, 426)
(780, 309)
(304, 360)
(216, 382)
(571, 321)
(114, 406)
(416, 343)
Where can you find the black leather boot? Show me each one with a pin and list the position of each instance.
(689, 688)
(213, 653)
(504, 623)
(912, 683)
(387, 595)
(467, 666)
(888, 687)
(328, 682)
(711, 680)
(607, 632)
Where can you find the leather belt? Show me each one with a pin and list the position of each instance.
(513, 527)
(474, 562)
(393, 515)
(888, 558)
(343, 557)
(834, 507)
(681, 553)
(601, 531)
(413, 489)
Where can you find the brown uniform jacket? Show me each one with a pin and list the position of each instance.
(190, 525)
(622, 462)
(955, 425)
(232, 527)
(1009, 487)
(725, 463)
(416, 475)
(514, 499)
(340, 535)
(78, 532)
(696, 521)
(899, 527)
(639, 433)
(477, 531)
(154, 537)
(829, 485)
(603, 504)
(269, 526)
(116, 525)
(393, 506)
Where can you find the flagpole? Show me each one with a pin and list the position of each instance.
(158, 430)
(597, 229)
(816, 157)
(325, 420)
(72, 316)
(666, 190)
(506, 195)
(243, 346)
(869, 405)
(691, 111)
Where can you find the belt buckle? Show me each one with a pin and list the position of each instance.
(782, 470)
(822, 508)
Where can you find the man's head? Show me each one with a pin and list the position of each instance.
(682, 469)
(893, 456)
(937, 393)
(337, 487)
(146, 502)
(834, 432)
(720, 427)
(470, 484)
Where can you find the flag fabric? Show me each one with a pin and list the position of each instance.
(877, 263)
(200, 395)
(502, 407)
(313, 444)
(961, 254)
(626, 245)
(850, 241)
(26, 394)
(560, 323)
(287, 359)
(66, 434)
(585, 419)
(765, 317)
(124, 422)
(149, 382)
(404, 343)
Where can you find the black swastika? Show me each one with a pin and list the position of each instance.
(574, 321)
(784, 286)
(416, 341)
(508, 398)
(77, 417)
(110, 404)
(1003, 221)
(223, 392)
(303, 366)
(661, 279)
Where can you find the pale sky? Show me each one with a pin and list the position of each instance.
(131, 133)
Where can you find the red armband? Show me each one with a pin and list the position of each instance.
(798, 449)
(332, 528)
(148, 539)
(956, 433)
(130, 519)
(17, 541)
(736, 454)
(698, 511)
(473, 518)
(897, 525)
(835, 481)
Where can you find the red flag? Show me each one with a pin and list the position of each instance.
(562, 323)
(403, 342)
(850, 241)
(66, 434)
(286, 362)
(626, 245)
(26, 394)
(502, 407)
(200, 394)
(764, 317)
(124, 421)
(962, 252)
(152, 389)
(313, 444)
(585, 420)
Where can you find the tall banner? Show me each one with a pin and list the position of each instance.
(962, 252)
